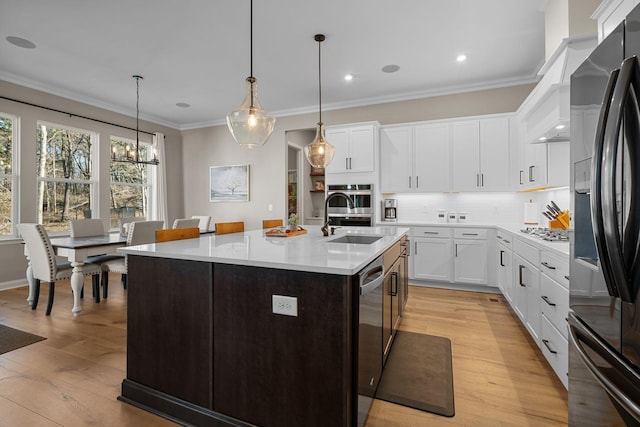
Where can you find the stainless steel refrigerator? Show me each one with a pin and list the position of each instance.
(604, 321)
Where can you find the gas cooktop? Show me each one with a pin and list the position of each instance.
(548, 234)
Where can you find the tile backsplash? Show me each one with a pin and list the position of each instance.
(506, 208)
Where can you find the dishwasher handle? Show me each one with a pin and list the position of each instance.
(372, 284)
(372, 276)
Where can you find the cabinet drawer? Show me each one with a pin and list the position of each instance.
(437, 232)
(555, 303)
(555, 348)
(555, 267)
(504, 239)
(470, 233)
(527, 252)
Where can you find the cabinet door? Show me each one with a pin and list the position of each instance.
(361, 149)
(432, 259)
(339, 138)
(465, 143)
(505, 272)
(527, 300)
(470, 261)
(494, 154)
(396, 155)
(432, 158)
(534, 165)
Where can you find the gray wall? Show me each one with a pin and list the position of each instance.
(13, 264)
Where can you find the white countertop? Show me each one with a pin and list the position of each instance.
(307, 252)
(561, 248)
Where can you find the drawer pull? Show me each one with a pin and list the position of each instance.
(469, 234)
(431, 232)
(506, 241)
(566, 277)
(546, 344)
(550, 267)
(546, 299)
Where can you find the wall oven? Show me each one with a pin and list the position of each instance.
(338, 211)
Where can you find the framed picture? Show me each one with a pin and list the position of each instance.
(229, 183)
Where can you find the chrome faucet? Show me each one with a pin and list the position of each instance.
(325, 227)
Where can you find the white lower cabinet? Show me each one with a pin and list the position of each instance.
(431, 258)
(470, 256)
(540, 298)
(504, 257)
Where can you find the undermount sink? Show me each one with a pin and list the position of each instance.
(354, 238)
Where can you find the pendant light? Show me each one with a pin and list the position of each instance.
(319, 152)
(131, 156)
(250, 125)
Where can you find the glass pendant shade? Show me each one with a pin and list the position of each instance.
(250, 125)
(319, 152)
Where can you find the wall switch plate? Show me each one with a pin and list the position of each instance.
(270, 207)
(285, 305)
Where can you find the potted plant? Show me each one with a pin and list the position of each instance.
(293, 222)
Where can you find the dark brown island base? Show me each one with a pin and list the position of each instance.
(205, 348)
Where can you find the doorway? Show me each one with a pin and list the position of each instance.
(294, 181)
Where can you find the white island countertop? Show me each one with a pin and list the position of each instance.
(310, 252)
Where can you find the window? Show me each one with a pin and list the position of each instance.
(8, 177)
(64, 168)
(130, 182)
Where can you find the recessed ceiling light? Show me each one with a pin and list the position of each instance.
(542, 138)
(20, 42)
(348, 77)
(391, 68)
(560, 127)
(183, 105)
(461, 58)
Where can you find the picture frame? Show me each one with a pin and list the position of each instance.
(229, 183)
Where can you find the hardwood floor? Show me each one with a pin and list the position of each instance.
(73, 377)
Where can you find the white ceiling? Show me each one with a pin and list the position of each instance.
(197, 51)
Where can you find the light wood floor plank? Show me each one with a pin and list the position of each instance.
(73, 377)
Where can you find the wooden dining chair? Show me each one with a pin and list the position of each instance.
(167, 235)
(139, 233)
(271, 223)
(186, 223)
(229, 227)
(44, 266)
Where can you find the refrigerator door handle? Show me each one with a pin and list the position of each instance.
(596, 185)
(580, 336)
(621, 105)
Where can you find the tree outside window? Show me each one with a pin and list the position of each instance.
(130, 184)
(64, 168)
(7, 177)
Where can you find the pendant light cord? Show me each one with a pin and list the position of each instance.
(137, 116)
(251, 38)
(320, 80)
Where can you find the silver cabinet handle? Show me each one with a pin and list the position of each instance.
(546, 344)
(415, 248)
(477, 180)
(531, 179)
(469, 234)
(507, 241)
(409, 181)
(546, 299)
(456, 248)
(481, 180)
(521, 177)
(417, 182)
(546, 264)
(431, 232)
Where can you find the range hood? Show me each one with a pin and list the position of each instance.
(545, 112)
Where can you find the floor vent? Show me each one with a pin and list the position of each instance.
(494, 300)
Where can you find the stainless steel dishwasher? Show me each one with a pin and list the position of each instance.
(370, 335)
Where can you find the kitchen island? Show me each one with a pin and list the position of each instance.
(205, 346)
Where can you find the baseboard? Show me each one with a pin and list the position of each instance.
(12, 284)
(455, 286)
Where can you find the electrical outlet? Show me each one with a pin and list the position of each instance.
(285, 305)
(270, 207)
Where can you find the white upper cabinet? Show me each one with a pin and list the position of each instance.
(480, 155)
(355, 148)
(415, 158)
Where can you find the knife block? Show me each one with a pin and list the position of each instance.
(561, 221)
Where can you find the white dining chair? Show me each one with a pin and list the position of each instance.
(123, 224)
(140, 233)
(44, 266)
(186, 223)
(203, 225)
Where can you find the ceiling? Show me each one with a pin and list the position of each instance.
(197, 52)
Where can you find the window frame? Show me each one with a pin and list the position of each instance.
(93, 183)
(14, 175)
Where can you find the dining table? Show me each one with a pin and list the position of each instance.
(77, 250)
